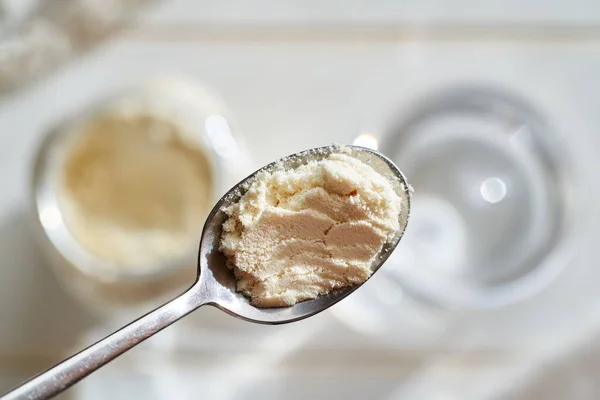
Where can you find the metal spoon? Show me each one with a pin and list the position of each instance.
(214, 286)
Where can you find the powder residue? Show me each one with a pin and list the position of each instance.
(297, 234)
(135, 189)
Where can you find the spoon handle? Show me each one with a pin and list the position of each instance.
(70, 371)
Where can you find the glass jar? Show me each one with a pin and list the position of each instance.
(105, 286)
(494, 217)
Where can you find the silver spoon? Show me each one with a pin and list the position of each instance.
(214, 286)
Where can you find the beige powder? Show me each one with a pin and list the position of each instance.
(135, 189)
(297, 234)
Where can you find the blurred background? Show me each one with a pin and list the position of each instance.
(489, 108)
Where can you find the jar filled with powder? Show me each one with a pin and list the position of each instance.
(121, 193)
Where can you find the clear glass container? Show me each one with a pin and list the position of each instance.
(493, 212)
(198, 113)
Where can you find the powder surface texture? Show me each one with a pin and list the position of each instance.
(135, 189)
(297, 234)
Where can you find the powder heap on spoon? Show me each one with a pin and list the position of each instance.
(302, 232)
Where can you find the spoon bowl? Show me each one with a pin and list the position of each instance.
(216, 280)
(215, 284)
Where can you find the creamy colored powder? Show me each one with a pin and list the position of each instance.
(297, 234)
(135, 189)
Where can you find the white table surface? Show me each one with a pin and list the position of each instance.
(298, 75)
